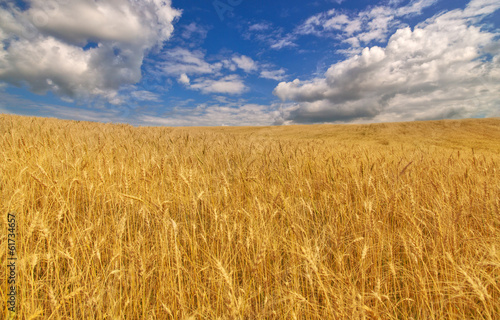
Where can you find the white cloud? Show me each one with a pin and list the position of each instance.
(229, 64)
(180, 61)
(260, 26)
(342, 22)
(192, 69)
(184, 79)
(43, 46)
(187, 65)
(364, 27)
(283, 42)
(441, 69)
(91, 22)
(231, 84)
(277, 75)
(184, 63)
(480, 8)
(143, 95)
(414, 7)
(245, 63)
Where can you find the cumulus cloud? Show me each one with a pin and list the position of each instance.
(443, 68)
(81, 48)
(184, 79)
(245, 63)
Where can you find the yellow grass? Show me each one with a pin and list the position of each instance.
(385, 221)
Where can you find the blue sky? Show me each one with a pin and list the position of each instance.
(242, 62)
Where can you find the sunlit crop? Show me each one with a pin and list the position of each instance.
(382, 221)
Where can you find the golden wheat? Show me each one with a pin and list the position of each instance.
(385, 221)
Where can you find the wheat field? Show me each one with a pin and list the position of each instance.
(381, 221)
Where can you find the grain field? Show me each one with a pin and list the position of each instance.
(381, 221)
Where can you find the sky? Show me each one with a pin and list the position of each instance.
(250, 63)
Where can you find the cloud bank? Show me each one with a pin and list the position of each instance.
(446, 67)
(81, 49)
